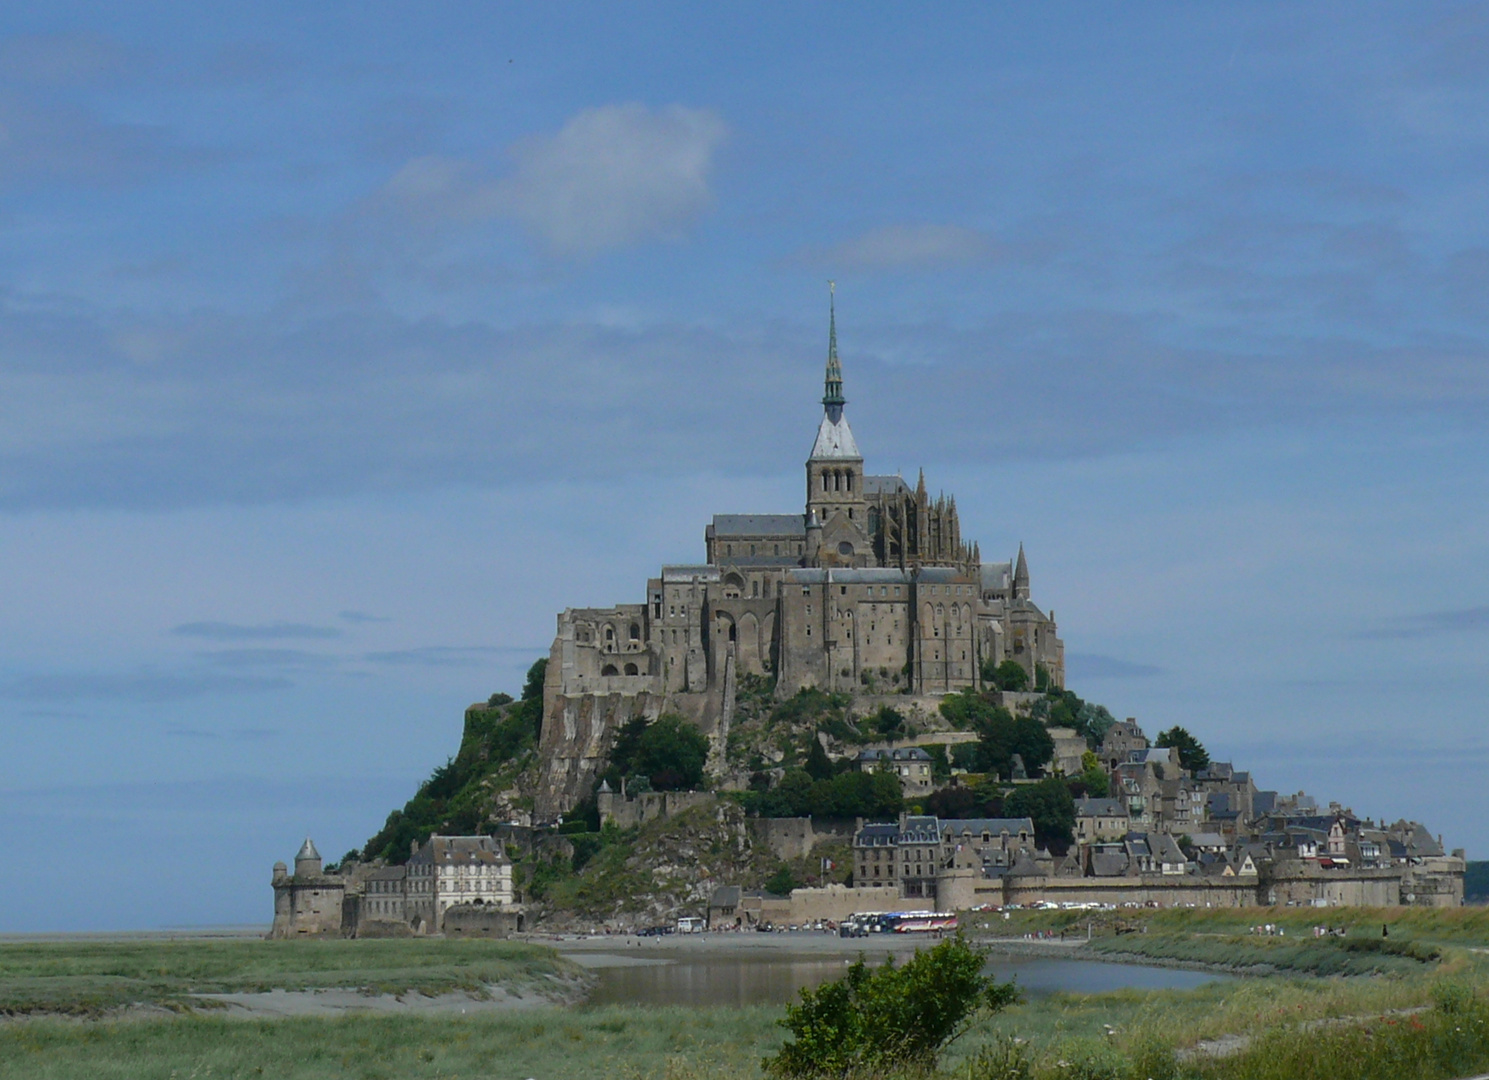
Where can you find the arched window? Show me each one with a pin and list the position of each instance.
(845, 547)
(608, 670)
(631, 669)
(848, 480)
(635, 632)
(824, 479)
(609, 634)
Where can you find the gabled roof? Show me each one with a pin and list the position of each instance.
(770, 525)
(1100, 808)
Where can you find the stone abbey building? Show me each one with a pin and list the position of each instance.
(871, 588)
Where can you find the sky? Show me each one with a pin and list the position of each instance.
(342, 346)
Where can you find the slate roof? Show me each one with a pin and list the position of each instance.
(992, 826)
(1100, 808)
(783, 525)
(835, 441)
(726, 896)
(460, 851)
(690, 573)
(885, 485)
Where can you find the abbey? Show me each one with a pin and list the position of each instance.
(870, 589)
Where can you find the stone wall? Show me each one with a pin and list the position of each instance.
(794, 838)
(837, 902)
(482, 920)
(632, 810)
(1163, 890)
(1299, 882)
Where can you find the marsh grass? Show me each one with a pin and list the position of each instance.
(622, 1042)
(91, 978)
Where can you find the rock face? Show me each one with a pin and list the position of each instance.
(578, 733)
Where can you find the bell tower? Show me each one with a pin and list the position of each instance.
(835, 468)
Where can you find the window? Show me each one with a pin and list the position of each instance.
(845, 548)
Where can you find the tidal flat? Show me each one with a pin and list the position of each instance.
(133, 1009)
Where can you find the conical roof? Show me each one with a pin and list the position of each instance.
(1021, 571)
(307, 851)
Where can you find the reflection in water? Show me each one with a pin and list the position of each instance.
(738, 980)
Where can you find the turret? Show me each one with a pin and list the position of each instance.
(308, 860)
(814, 537)
(1021, 577)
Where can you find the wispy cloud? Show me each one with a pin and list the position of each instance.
(907, 247)
(362, 617)
(240, 734)
(611, 176)
(147, 686)
(1097, 666)
(448, 655)
(1431, 624)
(278, 631)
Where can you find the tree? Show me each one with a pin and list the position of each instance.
(875, 1021)
(1009, 675)
(781, 882)
(1098, 784)
(1192, 755)
(818, 766)
(888, 723)
(672, 752)
(1032, 741)
(1094, 722)
(1050, 806)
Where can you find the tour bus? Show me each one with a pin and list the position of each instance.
(921, 922)
(691, 924)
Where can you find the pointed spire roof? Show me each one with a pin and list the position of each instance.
(307, 851)
(1021, 570)
(834, 436)
(832, 397)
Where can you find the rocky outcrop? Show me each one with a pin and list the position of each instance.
(578, 733)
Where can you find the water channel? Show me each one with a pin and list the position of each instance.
(739, 977)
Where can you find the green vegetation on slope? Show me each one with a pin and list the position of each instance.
(499, 742)
(89, 978)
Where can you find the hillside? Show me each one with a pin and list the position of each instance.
(783, 758)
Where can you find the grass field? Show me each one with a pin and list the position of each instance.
(1427, 1019)
(89, 979)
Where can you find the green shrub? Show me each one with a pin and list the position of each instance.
(874, 1020)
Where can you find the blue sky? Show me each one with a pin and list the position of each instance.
(341, 348)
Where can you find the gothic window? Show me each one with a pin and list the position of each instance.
(848, 482)
(635, 632)
(609, 634)
(824, 479)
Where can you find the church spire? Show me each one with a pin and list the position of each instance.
(832, 398)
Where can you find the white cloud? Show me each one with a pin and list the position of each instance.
(895, 246)
(616, 174)
(611, 176)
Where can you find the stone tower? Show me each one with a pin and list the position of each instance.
(835, 482)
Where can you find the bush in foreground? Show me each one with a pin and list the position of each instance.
(875, 1020)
